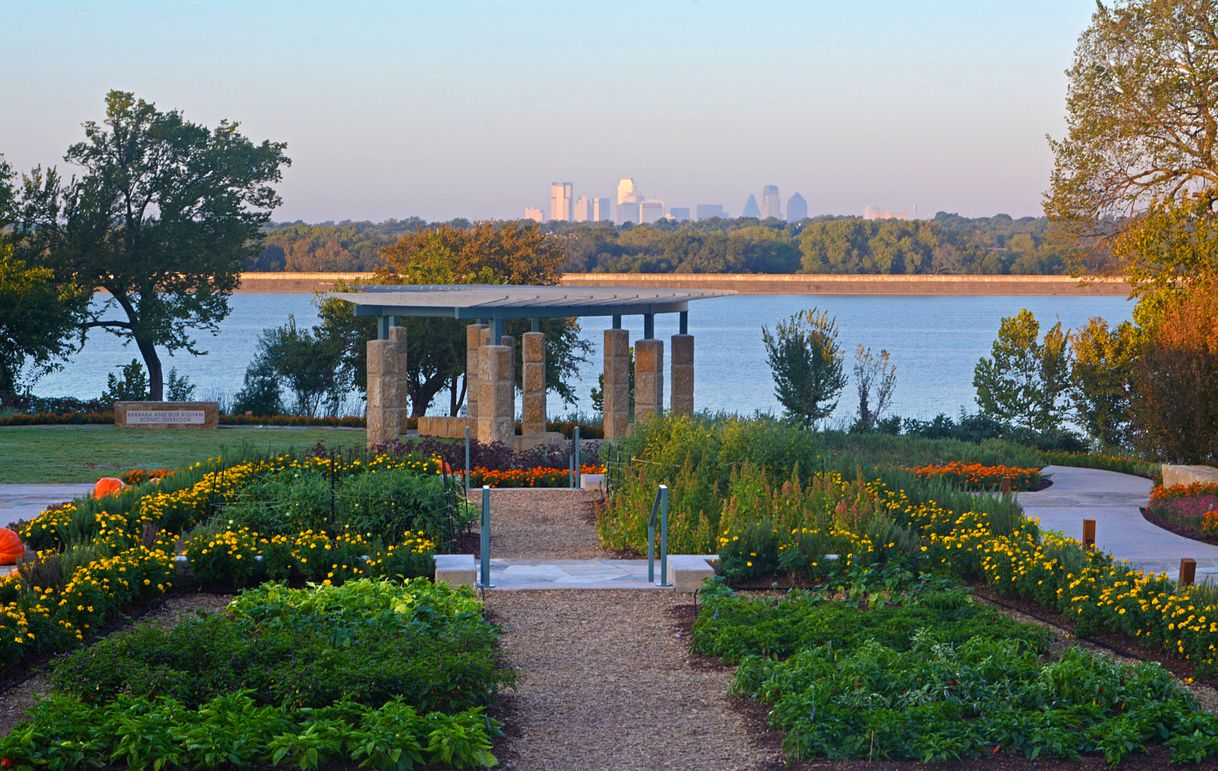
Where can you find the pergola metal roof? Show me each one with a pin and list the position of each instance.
(498, 302)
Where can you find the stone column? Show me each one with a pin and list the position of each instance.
(533, 382)
(682, 384)
(496, 397)
(473, 341)
(386, 387)
(648, 379)
(616, 408)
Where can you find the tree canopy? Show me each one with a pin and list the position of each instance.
(38, 311)
(165, 215)
(1141, 113)
(948, 243)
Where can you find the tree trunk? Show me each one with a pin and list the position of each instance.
(456, 397)
(424, 393)
(152, 362)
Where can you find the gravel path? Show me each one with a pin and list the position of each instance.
(543, 524)
(607, 682)
(17, 700)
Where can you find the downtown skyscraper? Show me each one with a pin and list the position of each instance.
(562, 204)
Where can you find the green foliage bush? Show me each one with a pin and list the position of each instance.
(232, 731)
(932, 676)
(382, 503)
(384, 675)
(697, 458)
(365, 641)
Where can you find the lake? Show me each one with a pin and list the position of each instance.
(934, 341)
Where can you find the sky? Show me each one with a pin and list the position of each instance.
(471, 109)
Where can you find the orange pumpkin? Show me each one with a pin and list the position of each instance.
(107, 485)
(11, 548)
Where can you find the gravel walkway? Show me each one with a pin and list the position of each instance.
(543, 524)
(607, 682)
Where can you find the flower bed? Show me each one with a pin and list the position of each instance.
(879, 517)
(372, 673)
(298, 518)
(538, 476)
(975, 476)
(1190, 510)
(922, 673)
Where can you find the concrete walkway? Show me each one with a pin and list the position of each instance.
(1113, 501)
(26, 501)
(570, 574)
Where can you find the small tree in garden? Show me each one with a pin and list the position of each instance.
(1025, 379)
(875, 377)
(806, 362)
(130, 385)
(1175, 405)
(308, 361)
(1101, 369)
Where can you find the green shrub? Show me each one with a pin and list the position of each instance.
(233, 731)
(932, 676)
(699, 459)
(306, 648)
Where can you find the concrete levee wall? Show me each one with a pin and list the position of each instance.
(748, 283)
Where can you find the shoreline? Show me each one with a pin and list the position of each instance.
(794, 284)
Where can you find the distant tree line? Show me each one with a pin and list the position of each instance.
(946, 244)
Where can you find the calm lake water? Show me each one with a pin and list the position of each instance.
(934, 341)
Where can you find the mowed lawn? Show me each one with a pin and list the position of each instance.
(30, 454)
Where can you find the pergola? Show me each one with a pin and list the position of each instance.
(490, 379)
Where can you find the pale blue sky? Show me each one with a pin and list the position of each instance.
(392, 109)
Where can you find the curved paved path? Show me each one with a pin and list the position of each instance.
(1113, 501)
(25, 501)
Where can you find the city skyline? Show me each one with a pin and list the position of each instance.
(418, 109)
(635, 207)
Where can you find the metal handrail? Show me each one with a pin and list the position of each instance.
(660, 505)
(484, 546)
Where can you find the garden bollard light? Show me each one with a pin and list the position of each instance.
(1089, 533)
(1188, 571)
(1006, 485)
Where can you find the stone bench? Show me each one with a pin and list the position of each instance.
(456, 570)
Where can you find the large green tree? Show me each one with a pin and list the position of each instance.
(482, 253)
(164, 215)
(39, 312)
(1141, 113)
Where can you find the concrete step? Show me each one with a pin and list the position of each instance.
(685, 573)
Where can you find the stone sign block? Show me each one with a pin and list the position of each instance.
(166, 414)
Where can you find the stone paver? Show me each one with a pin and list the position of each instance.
(25, 501)
(1113, 501)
